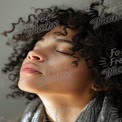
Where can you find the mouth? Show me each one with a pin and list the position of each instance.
(30, 68)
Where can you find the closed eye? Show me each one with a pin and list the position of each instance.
(70, 54)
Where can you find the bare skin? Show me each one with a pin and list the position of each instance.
(63, 97)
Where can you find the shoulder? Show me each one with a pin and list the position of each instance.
(109, 113)
(30, 110)
(33, 105)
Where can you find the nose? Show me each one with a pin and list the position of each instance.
(37, 56)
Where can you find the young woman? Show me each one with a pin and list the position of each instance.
(69, 71)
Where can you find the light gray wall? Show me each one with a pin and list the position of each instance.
(10, 11)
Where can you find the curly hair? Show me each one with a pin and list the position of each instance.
(91, 43)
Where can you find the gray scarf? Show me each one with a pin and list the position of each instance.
(93, 112)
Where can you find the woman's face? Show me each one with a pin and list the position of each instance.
(47, 70)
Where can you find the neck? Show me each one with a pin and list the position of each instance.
(64, 107)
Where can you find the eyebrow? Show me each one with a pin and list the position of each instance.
(64, 40)
(61, 40)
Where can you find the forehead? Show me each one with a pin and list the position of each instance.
(62, 32)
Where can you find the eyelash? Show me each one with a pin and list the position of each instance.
(74, 62)
(63, 53)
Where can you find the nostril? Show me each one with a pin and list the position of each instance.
(36, 57)
(33, 57)
(29, 57)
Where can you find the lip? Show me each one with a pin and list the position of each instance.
(30, 68)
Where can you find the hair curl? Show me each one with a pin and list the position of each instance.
(91, 43)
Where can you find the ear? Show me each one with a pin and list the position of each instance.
(98, 88)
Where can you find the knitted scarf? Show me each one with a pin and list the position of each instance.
(92, 112)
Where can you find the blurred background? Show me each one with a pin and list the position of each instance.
(10, 11)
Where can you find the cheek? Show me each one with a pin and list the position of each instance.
(80, 76)
(58, 66)
(58, 74)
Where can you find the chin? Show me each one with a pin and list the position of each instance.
(24, 86)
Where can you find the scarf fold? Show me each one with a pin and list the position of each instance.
(92, 112)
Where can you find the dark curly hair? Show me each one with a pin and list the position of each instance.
(92, 44)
